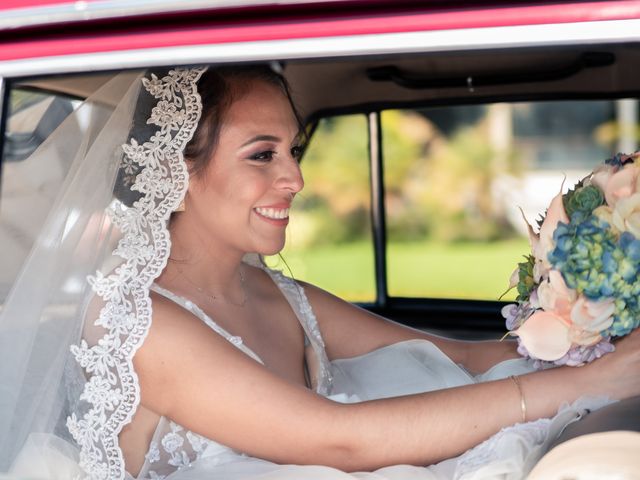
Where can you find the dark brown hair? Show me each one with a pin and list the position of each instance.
(219, 88)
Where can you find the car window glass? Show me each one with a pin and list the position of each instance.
(27, 191)
(329, 240)
(456, 179)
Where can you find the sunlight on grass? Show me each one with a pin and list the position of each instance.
(415, 269)
(464, 270)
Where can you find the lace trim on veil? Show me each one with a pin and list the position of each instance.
(112, 390)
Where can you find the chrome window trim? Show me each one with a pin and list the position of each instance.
(582, 33)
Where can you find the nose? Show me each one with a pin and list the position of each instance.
(290, 177)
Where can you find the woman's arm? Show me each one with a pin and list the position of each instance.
(195, 377)
(349, 331)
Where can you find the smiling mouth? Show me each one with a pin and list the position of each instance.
(273, 213)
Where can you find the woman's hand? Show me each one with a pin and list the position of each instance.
(619, 372)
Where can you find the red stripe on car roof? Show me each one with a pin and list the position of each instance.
(305, 27)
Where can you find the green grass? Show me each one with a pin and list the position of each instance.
(417, 269)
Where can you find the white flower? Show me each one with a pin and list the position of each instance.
(100, 358)
(153, 183)
(134, 153)
(155, 86)
(99, 392)
(135, 247)
(117, 318)
(180, 459)
(616, 184)
(153, 455)
(605, 213)
(593, 316)
(198, 443)
(626, 215)
(555, 214)
(172, 441)
(165, 114)
(128, 165)
(589, 318)
(555, 296)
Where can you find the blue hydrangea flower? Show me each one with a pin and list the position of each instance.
(598, 265)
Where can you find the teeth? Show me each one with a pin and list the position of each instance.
(275, 213)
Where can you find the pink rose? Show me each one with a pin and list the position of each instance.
(555, 213)
(601, 175)
(545, 335)
(616, 184)
(626, 215)
(583, 337)
(533, 236)
(589, 319)
(555, 296)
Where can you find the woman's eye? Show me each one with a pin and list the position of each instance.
(263, 156)
(296, 152)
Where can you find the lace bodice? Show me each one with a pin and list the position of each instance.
(176, 448)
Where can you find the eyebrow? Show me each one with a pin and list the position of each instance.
(269, 138)
(262, 138)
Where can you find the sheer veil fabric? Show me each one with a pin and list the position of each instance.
(80, 307)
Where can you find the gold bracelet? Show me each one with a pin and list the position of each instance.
(523, 404)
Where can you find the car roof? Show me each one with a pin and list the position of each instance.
(17, 14)
(347, 56)
(272, 21)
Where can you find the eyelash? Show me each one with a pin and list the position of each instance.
(296, 152)
(267, 155)
(264, 156)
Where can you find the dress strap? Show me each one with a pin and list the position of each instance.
(300, 305)
(198, 312)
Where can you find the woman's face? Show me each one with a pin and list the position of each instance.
(243, 196)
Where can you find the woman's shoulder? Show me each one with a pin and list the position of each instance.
(168, 306)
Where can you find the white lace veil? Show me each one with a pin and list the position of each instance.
(108, 224)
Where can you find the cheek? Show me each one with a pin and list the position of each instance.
(249, 187)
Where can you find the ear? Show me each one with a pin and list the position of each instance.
(190, 165)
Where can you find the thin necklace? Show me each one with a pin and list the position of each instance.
(212, 297)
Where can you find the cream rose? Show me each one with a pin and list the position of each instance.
(626, 215)
(589, 318)
(555, 214)
(555, 296)
(605, 213)
(618, 185)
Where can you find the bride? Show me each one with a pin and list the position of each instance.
(192, 359)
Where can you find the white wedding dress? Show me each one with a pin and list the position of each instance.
(403, 368)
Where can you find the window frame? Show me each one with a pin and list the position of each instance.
(463, 318)
(392, 28)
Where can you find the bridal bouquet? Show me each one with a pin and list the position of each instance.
(580, 286)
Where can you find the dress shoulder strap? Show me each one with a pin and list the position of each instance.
(198, 312)
(295, 295)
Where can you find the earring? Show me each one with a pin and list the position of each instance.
(181, 207)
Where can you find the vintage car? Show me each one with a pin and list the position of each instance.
(430, 123)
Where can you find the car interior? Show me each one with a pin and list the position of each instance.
(369, 85)
(331, 87)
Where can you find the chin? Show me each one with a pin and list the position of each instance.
(270, 249)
